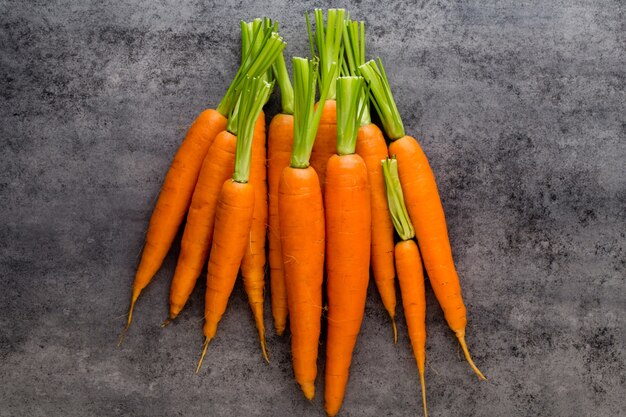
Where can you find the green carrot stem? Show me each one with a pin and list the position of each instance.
(382, 98)
(286, 89)
(254, 94)
(395, 199)
(354, 48)
(327, 40)
(349, 94)
(267, 44)
(306, 116)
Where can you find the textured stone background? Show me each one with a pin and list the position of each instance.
(519, 105)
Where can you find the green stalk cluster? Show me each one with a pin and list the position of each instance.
(349, 99)
(327, 39)
(354, 48)
(395, 199)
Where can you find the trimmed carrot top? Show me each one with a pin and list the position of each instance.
(286, 89)
(395, 198)
(265, 45)
(306, 116)
(327, 40)
(253, 96)
(382, 98)
(354, 48)
(349, 108)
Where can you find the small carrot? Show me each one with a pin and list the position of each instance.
(233, 216)
(327, 40)
(409, 268)
(253, 263)
(348, 239)
(280, 143)
(182, 176)
(371, 146)
(302, 235)
(424, 206)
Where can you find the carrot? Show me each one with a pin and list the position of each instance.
(181, 178)
(280, 144)
(217, 167)
(424, 206)
(327, 40)
(410, 273)
(233, 216)
(348, 238)
(253, 263)
(301, 217)
(371, 146)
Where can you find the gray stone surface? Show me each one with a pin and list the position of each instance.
(519, 106)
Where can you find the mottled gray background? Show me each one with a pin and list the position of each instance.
(519, 106)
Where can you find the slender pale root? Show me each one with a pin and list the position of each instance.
(461, 337)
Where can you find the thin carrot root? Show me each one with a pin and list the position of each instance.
(423, 383)
(167, 322)
(135, 296)
(461, 339)
(263, 347)
(206, 345)
(395, 330)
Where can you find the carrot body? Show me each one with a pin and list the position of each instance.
(411, 277)
(426, 213)
(348, 232)
(325, 144)
(217, 167)
(233, 219)
(175, 197)
(302, 236)
(372, 148)
(253, 263)
(280, 144)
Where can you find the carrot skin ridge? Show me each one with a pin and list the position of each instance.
(217, 167)
(371, 146)
(280, 144)
(428, 219)
(174, 199)
(302, 235)
(253, 263)
(348, 238)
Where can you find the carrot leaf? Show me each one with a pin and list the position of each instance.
(327, 40)
(354, 48)
(306, 116)
(382, 98)
(395, 199)
(349, 94)
(254, 94)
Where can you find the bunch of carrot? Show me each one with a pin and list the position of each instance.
(325, 190)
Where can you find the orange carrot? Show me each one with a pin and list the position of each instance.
(327, 40)
(217, 167)
(181, 178)
(253, 263)
(301, 217)
(424, 206)
(409, 268)
(348, 239)
(371, 146)
(233, 216)
(280, 144)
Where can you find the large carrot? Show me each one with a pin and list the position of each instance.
(327, 40)
(424, 206)
(371, 146)
(217, 167)
(280, 143)
(253, 263)
(301, 217)
(410, 273)
(348, 234)
(233, 217)
(182, 176)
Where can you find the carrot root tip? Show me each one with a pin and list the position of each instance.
(166, 323)
(308, 389)
(480, 375)
(395, 330)
(423, 383)
(204, 349)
